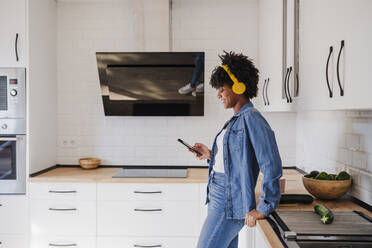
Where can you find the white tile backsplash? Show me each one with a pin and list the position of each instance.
(337, 140)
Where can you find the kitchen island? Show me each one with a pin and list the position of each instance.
(103, 176)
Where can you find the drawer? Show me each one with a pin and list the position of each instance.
(12, 241)
(62, 217)
(13, 214)
(147, 192)
(63, 191)
(148, 218)
(145, 242)
(62, 241)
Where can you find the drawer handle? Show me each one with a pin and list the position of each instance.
(63, 191)
(62, 245)
(148, 210)
(8, 139)
(147, 246)
(62, 209)
(147, 192)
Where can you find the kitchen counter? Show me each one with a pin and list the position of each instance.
(200, 175)
(104, 175)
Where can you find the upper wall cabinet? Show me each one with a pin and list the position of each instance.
(13, 33)
(335, 55)
(277, 55)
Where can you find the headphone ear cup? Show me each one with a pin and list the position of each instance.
(238, 88)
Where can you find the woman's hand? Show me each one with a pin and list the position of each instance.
(252, 216)
(203, 149)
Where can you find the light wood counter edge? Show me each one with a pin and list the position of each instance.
(104, 175)
(270, 237)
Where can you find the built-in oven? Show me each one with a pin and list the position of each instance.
(12, 130)
(13, 164)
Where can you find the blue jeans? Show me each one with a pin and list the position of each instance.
(199, 68)
(218, 231)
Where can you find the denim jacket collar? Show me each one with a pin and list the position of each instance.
(244, 108)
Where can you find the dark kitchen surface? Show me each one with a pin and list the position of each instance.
(345, 223)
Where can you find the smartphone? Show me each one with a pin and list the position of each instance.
(188, 146)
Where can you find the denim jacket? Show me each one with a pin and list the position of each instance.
(249, 146)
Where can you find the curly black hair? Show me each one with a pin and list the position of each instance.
(243, 69)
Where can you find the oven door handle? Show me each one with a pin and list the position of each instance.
(8, 139)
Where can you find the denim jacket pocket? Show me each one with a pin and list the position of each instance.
(236, 138)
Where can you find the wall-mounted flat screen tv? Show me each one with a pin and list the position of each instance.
(152, 83)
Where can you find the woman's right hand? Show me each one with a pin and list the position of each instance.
(203, 149)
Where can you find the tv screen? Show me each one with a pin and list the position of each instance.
(152, 83)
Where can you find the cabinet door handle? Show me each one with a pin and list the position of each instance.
(263, 92)
(338, 68)
(285, 85)
(298, 85)
(329, 87)
(289, 92)
(62, 245)
(148, 210)
(267, 97)
(16, 47)
(62, 209)
(62, 191)
(147, 246)
(1, 205)
(147, 192)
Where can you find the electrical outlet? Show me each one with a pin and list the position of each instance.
(68, 142)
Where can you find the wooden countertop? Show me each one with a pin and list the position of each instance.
(200, 175)
(104, 175)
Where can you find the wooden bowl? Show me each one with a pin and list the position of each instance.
(89, 163)
(326, 189)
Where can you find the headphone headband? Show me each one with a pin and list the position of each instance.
(238, 87)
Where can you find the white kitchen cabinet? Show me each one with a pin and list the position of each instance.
(13, 214)
(323, 25)
(63, 214)
(157, 214)
(12, 241)
(130, 242)
(148, 218)
(13, 33)
(259, 240)
(291, 79)
(147, 192)
(148, 209)
(63, 241)
(63, 217)
(272, 54)
(63, 191)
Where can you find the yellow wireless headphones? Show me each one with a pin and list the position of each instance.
(238, 87)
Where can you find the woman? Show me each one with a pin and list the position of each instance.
(245, 145)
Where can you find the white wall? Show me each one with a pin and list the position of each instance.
(85, 28)
(332, 141)
(42, 84)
